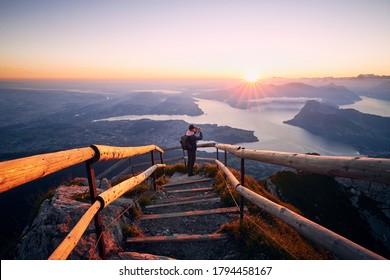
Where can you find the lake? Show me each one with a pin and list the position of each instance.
(371, 106)
(266, 121)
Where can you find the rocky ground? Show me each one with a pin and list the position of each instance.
(362, 207)
(59, 214)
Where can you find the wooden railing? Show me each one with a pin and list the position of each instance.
(102, 201)
(129, 169)
(371, 169)
(338, 245)
(16, 172)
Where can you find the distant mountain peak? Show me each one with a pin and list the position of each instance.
(314, 106)
(332, 85)
(298, 85)
(245, 95)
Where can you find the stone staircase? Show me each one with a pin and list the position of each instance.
(184, 222)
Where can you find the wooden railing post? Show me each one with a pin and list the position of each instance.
(217, 153)
(97, 219)
(242, 202)
(162, 161)
(154, 174)
(226, 159)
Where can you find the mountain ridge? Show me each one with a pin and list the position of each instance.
(246, 95)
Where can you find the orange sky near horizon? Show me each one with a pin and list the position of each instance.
(193, 39)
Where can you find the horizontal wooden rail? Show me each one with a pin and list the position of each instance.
(109, 153)
(371, 169)
(129, 169)
(174, 159)
(103, 200)
(16, 172)
(202, 145)
(336, 244)
(117, 191)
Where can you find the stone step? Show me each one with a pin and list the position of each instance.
(182, 206)
(179, 177)
(186, 248)
(190, 213)
(193, 185)
(177, 238)
(190, 190)
(201, 224)
(185, 198)
(175, 203)
(176, 175)
(189, 180)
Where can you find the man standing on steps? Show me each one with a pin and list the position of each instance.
(194, 134)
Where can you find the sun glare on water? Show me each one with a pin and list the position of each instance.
(251, 77)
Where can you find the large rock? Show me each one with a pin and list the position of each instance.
(57, 217)
(373, 202)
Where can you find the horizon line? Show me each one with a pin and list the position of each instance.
(367, 75)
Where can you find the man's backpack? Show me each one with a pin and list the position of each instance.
(185, 142)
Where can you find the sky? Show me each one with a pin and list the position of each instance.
(148, 39)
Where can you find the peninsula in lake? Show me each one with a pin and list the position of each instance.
(370, 134)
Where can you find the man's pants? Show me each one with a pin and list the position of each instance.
(191, 161)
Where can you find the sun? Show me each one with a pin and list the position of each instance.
(251, 76)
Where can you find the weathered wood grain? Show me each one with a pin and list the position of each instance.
(16, 172)
(202, 145)
(372, 169)
(19, 171)
(111, 152)
(117, 191)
